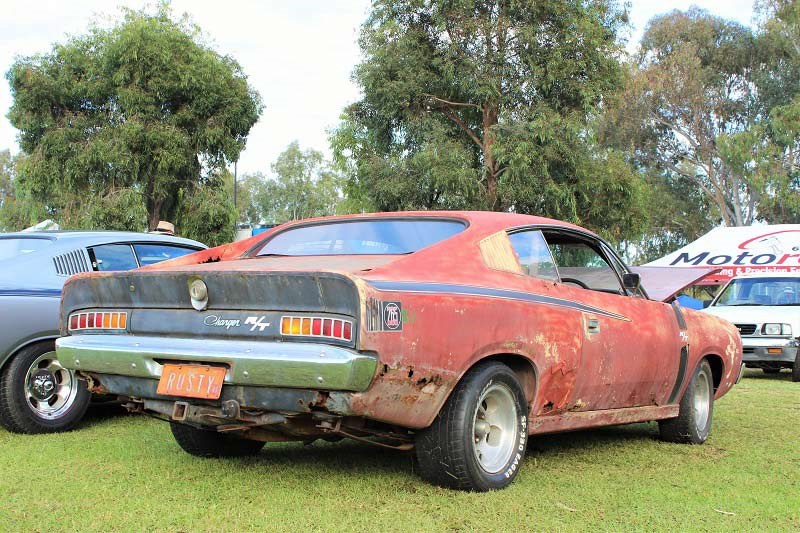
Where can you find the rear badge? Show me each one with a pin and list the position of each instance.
(392, 313)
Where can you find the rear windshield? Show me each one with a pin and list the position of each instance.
(362, 237)
(14, 247)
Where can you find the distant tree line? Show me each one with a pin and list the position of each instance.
(509, 105)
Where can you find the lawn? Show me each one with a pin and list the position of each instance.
(126, 473)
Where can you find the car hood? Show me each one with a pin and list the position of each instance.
(663, 283)
(758, 314)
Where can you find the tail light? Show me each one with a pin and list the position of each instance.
(100, 320)
(331, 328)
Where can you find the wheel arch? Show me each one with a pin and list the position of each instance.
(717, 368)
(524, 368)
(25, 344)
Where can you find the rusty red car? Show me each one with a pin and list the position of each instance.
(455, 334)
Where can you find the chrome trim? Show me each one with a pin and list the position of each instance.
(253, 363)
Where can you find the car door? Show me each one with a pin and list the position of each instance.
(630, 344)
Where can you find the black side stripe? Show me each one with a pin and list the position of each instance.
(469, 290)
(684, 357)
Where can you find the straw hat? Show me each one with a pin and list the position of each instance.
(167, 228)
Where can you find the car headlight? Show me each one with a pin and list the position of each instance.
(776, 329)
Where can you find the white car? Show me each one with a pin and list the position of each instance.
(765, 308)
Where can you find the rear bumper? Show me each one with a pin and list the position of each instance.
(250, 363)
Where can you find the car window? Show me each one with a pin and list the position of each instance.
(580, 264)
(533, 254)
(361, 237)
(149, 254)
(113, 257)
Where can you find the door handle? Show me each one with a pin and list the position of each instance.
(592, 325)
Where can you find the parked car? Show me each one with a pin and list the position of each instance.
(36, 393)
(457, 334)
(766, 310)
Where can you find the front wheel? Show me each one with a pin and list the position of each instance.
(38, 395)
(478, 440)
(693, 422)
(796, 367)
(210, 443)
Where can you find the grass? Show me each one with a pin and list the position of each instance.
(126, 473)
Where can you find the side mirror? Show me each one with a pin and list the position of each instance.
(631, 281)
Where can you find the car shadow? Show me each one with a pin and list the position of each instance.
(758, 374)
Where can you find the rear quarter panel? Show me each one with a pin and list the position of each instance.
(24, 320)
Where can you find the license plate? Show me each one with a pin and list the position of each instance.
(192, 381)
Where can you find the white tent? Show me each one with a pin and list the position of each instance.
(738, 251)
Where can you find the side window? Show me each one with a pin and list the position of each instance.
(149, 254)
(582, 265)
(113, 257)
(533, 254)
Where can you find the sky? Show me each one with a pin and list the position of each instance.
(298, 54)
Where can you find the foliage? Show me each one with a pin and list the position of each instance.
(485, 105)
(121, 210)
(688, 87)
(143, 105)
(206, 214)
(6, 176)
(304, 186)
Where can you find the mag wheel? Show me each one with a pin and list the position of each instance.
(693, 422)
(38, 395)
(478, 440)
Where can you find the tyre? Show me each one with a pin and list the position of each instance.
(478, 440)
(771, 370)
(693, 422)
(796, 367)
(38, 395)
(209, 443)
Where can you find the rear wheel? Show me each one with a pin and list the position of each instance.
(38, 395)
(693, 422)
(209, 443)
(478, 440)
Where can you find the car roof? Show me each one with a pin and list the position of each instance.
(82, 238)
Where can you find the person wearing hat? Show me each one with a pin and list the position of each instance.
(164, 228)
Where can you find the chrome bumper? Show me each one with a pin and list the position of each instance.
(757, 349)
(251, 363)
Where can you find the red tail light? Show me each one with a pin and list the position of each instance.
(333, 328)
(104, 320)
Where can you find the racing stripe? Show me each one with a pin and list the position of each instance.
(470, 290)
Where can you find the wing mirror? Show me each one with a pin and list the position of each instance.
(631, 281)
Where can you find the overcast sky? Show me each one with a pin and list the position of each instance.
(298, 54)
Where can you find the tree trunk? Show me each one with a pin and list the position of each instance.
(491, 169)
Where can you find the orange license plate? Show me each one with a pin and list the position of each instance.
(192, 381)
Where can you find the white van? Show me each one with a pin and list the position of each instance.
(766, 310)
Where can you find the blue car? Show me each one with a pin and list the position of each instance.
(37, 395)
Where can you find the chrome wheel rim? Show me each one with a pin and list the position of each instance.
(702, 401)
(494, 428)
(50, 389)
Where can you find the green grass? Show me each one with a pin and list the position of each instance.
(127, 473)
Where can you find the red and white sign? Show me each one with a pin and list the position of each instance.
(740, 251)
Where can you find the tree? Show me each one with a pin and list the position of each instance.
(6, 176)
(144, 105)
(689, 88)
(304, 186)
(481, 104)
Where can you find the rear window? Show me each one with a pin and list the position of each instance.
(362, 237)
(14, 247)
